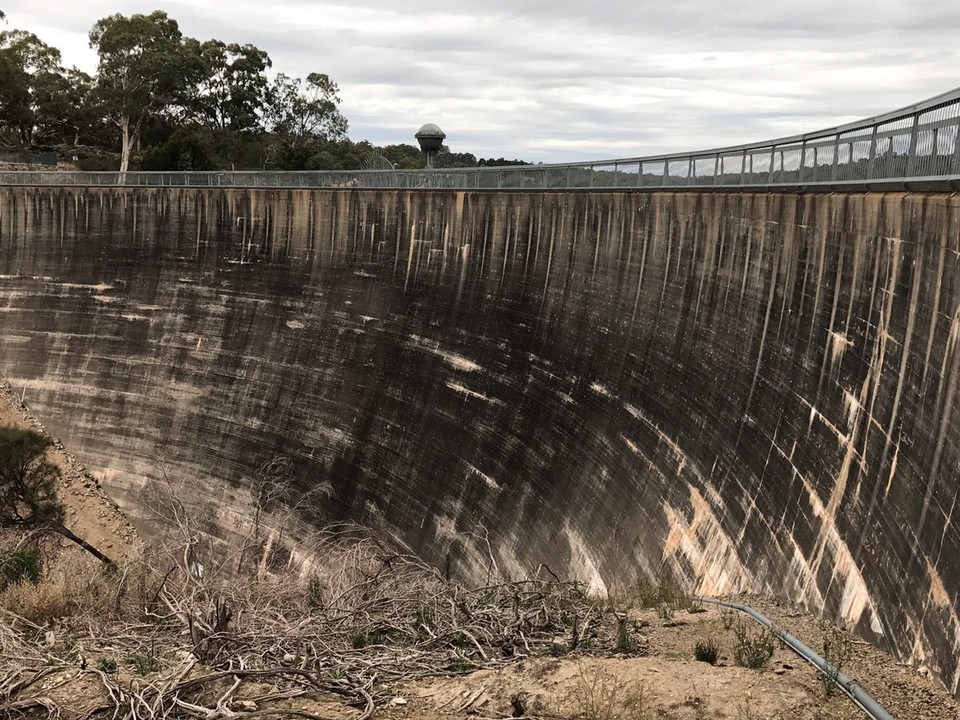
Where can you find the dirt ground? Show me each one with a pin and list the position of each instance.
(659, 678)
(90, 514)
(669, 684)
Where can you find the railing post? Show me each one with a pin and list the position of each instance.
(717, 168)
(836, 157)
(871, 163)
(773, 157)
(912, 152)
(956, 148)
(743, 166)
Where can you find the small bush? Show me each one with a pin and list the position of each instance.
(752, 648)
(144, 663)
(665, 590)
(837, 650)
(707, 651)
(19, 565)
(625, 641)
(65, 592)
(727, 618)
(107, 665)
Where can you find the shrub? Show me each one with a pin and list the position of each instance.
(65, 592)
(707, 651)
(837, 649)
(752, 648)
(727, 618)
(625, 641)
(19, 565)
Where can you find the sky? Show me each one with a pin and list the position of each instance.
(573, 80)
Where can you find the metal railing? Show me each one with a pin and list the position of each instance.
(914, 147)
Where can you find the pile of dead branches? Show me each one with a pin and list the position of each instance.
(178, 640)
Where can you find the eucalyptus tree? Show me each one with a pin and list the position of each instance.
(231, 88)
(26, 64)
(143, 68)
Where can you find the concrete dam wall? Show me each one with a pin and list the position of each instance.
(754, 391)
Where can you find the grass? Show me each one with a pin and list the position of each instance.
(707, 651)
(599, 696)
(752, 648)
(19, 565)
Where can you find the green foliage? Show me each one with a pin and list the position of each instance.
(707, 651)
(183, 104)
(142, 69)
(26, 65)
(107, 665)
(188, 148)
(98, 163)
(752, 648)
(28, 496)
(625, 639)
(144, 663)
(19, 565)
(232, 88)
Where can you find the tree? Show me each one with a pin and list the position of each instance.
(301, 117)
(63, 110)
(142, 69)
(25, 63)
(232, 88)
(28, 493)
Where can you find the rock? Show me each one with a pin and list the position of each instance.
(398, 701)
(245, 705)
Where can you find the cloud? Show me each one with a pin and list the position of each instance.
(557, 80)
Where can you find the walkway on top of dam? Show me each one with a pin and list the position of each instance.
(913, 148)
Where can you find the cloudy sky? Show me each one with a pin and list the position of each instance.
(566, 80)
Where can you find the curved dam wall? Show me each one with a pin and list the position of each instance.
(755, 391)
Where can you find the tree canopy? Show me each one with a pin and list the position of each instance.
(161, 100)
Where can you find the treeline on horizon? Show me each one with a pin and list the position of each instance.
(163, 101)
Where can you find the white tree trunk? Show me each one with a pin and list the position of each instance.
(126, 145)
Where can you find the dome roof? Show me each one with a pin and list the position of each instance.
(430, 130)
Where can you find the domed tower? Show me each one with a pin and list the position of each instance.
(431, 139)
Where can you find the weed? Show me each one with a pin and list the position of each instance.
(598, 696)
(752, 648)
(837, 650)
(665, 611)
(625, 641)
(665, 590)
(19, 565)
(144, 663)
(696, 605)
(462, 666)
(727, 618)
(707, 651)
(557, 649)
(315, 592)
(107, 665)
